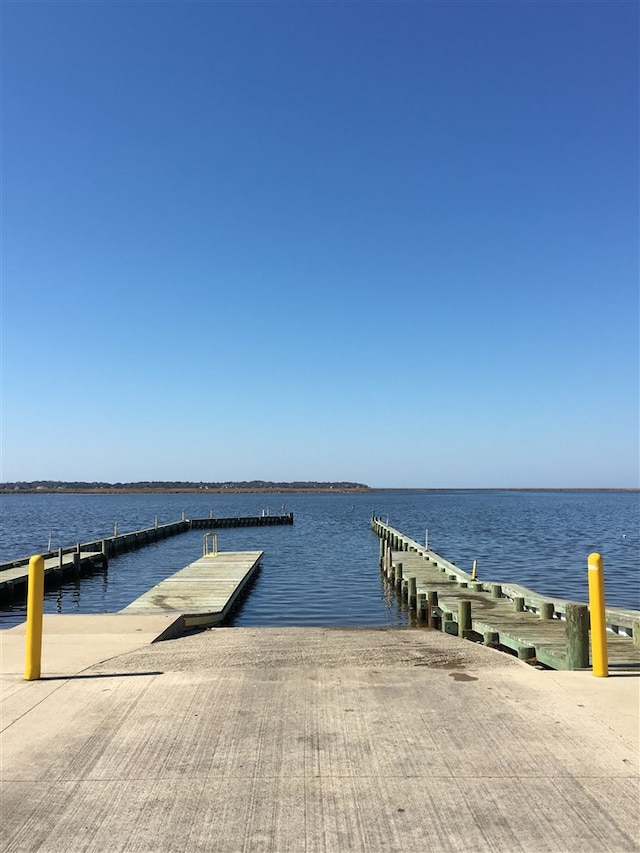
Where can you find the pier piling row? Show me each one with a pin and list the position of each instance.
(75, 560)
(537, 628)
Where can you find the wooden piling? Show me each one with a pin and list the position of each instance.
(398, 578)
(577, 631)
(518, 603)
(526, 653)
(448, 625)
(432, 604)
(547, 609)
(464, 619)
(412, 590)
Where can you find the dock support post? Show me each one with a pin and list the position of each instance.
(432, 603)
(526, 653)
(412, 590)
(518, 603)
(421, 606)
(546, 609)
(464, 619)
(491, 638)
(496, 590)
(398, 577)
(448, 625)
(599, 653)
(577, 631)
(35, 598)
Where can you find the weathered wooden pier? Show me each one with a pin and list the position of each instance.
(76, 560)
(551, 631)
(66, 564)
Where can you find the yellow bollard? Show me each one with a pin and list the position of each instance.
(35, 598)
(599, 658)
(474, 570)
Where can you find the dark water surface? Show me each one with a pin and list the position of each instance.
(324, 569)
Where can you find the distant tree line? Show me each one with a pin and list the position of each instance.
(179, 485)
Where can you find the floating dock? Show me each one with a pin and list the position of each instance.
(536, 628)
(75, 560)
(203, 592)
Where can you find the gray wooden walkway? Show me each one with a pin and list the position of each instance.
(203, 592)
(13, 580)
(531, 625)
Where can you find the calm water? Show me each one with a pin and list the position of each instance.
(324, 569)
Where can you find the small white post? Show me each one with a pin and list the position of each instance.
(426, 539)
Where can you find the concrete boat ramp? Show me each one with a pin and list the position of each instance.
(324, 740)
(281, 740)
(203, 592)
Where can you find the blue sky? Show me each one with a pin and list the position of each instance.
(395, 243)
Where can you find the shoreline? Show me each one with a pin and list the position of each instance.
(328, 491)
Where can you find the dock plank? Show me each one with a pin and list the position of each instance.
(204, 591)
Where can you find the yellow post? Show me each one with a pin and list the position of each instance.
(35, 598)
(474, 570)
(599, 658)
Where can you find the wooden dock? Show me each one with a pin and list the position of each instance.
(502, 615)
(67, 564)
(264, 520)
(203, 592)
(64, 564)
